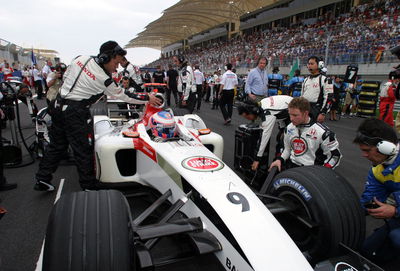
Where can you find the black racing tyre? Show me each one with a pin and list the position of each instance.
(99, 109)
(88, 231)
(328, 201)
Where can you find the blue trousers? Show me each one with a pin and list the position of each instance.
(383, 245)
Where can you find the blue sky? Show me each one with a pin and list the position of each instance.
(79, 27)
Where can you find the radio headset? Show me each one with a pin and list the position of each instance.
(106, 56)
(384, 147)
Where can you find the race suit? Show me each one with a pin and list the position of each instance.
(135, 81)
(186, 86)
(384, 180)
(386, 102)
(311, 144)
(317, 90)
(71, 120)
(274, 110)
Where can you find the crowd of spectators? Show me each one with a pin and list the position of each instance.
(360, 36)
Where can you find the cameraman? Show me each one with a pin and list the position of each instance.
(3, 183)
(86, 80)
(54, 82)
(378, 143)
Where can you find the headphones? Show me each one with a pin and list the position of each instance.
(384, 147)
(106, 56)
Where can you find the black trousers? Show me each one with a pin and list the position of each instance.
(2, 178)
(226, 103)
(199, 92)
(73, 127)
(191, 102)
(39, 88)
(174, 91)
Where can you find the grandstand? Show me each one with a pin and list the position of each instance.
(213, 33)
(15, 53)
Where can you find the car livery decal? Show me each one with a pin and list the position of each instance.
(293, 184)
(202, 163)
(141, 145)
(342, 266)
(299, 146)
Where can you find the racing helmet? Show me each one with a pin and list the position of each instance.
(162, 124)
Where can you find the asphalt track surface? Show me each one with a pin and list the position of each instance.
(22, 229)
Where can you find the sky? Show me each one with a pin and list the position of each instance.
(79, 27)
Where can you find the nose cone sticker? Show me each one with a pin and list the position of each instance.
(202, 163)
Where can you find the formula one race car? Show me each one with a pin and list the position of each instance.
(182, 208)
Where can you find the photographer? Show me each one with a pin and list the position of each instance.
(54, 82)
(379, 144)
(86, 80)
(4, 185)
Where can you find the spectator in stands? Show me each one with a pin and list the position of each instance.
(317, 89)
(158, 76)
(226, 93)
(172, 86)
(387, 97)
(304, 138)
(199, 80)
(257, 81)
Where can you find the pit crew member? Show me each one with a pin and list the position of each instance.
(379, 144)
(129, 71)
(388, 97)
(226, 93)
(271, 110)
(317, 89)
(85, 81)
(186, 82)
(307, 142)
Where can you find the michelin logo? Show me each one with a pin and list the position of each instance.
(292, 183)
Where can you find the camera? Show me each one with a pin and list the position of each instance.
(61, 68)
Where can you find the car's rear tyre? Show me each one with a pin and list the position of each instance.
(326, 199)
(88, 231)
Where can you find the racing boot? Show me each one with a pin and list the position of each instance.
(43, 186)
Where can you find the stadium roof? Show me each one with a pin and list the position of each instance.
(189, 17)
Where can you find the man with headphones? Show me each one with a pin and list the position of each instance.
(86, 80)
(257, 81)
(379, 144)
(270, 110)
(186, 82)
(317, 89)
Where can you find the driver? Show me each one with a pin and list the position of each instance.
(162, 126)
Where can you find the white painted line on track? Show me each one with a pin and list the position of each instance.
(40, 260)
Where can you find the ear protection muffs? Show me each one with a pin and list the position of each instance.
(384, 147)
(106, 56)
(321, 64)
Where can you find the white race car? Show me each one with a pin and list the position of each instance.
(183, 208)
